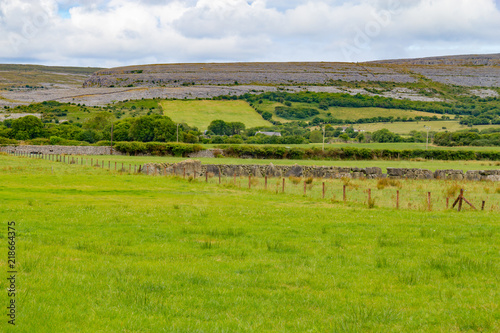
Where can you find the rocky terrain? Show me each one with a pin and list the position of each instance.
(480, 74)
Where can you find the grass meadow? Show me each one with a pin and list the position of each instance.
(103, 251)
(201, 113)
(433, 165)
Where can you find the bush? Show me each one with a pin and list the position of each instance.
(157, 148)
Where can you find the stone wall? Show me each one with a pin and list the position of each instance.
(66, 150)
(196, 169)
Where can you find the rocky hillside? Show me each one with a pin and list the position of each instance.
(473, 70)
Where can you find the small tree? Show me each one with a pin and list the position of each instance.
(267, 115)
(344, 137)
(360, 137)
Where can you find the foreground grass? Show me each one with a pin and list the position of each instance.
(100, 251)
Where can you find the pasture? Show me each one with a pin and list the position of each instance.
(100, 250)
(200, 113)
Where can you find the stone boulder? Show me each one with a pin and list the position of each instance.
(295, 171)
(190, 167)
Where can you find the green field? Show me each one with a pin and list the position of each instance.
(201, 113)
(99, 251)
(383, 164)
(407, 127)
(359, 113)
(348, 113)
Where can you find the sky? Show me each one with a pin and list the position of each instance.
(109, 33)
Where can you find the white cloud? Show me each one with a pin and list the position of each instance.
(120, 32)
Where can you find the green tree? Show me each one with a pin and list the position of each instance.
(267, 115)
(153, 128)
(360, 137)
(236, 127)
(28, 127)
(316, 137)
(99, 121)
(219, 127)
(344, 137)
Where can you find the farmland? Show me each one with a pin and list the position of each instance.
(201, 113)
(99, 249)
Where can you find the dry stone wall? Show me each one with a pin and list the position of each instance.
(194, 168)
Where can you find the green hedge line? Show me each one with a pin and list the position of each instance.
(157, 148)
(348, 153)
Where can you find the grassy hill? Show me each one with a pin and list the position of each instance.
(200, 113)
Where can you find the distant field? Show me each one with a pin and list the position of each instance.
(394, 146)
(201, 113)
(358, 113)
(407, 127)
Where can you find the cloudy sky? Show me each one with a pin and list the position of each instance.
(108, 33)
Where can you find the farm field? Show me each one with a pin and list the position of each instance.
(201, 113)
(383, 164)
(99, 250)
(407, 127)
(376, 145)
(358, 113)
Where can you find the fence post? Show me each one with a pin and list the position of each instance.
(460, 201)
(345, 198)
(429, 202)
(184, 172)
(206, 177)
(447, 203)
(283, 189)
(397, 199)
(369, 195)
(219, 176)
(249, 181)
(265, 184)
(323, 190)
(482, 206)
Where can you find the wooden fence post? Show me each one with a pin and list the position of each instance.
(369, 195)
(265, 183)
(482, 206)
(345, 198)
(397, 199)
(429, 201)
(283, 189)
(184, 172)
(323, 190)
(447, 203)
(219, 176)
(206, 177)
